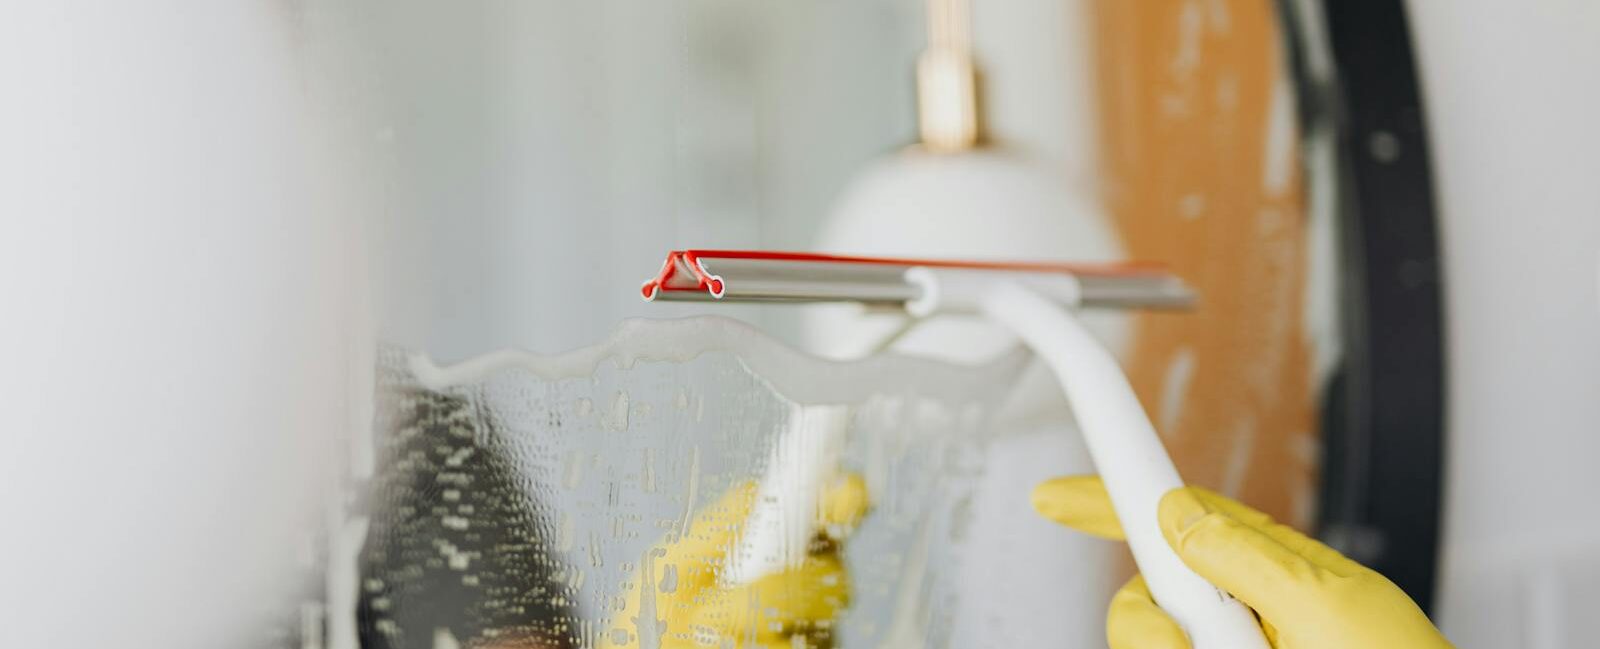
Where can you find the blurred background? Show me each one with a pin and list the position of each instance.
(582, 142)
(210, 214)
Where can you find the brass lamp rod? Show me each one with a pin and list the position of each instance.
(947, 93)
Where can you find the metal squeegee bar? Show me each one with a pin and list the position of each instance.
(765, 276)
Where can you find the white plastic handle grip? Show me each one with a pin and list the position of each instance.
(783, 517)
(1135, 467)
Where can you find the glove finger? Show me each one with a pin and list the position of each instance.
(676, 571)
(696, 556)
(1082, 503)
(843, 506)
(804, 600)
(1323, 556)
(1079, 502)
(685, 574)
(821, 641)
(1136, 622)
(1264, 574)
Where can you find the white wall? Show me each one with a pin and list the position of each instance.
(174, 236)
(548, 154)
(1513, 95)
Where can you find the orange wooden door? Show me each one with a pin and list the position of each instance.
(1200, 168)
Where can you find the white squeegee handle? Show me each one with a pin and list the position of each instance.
(1122, 442)
(783, 516)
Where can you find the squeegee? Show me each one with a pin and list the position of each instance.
(1033, 300)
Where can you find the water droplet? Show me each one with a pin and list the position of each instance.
(617, 418)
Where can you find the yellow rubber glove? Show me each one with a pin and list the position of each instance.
(1307, 595)
(693, 607)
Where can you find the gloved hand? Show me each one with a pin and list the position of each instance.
(1307, 595)
(693, 607)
